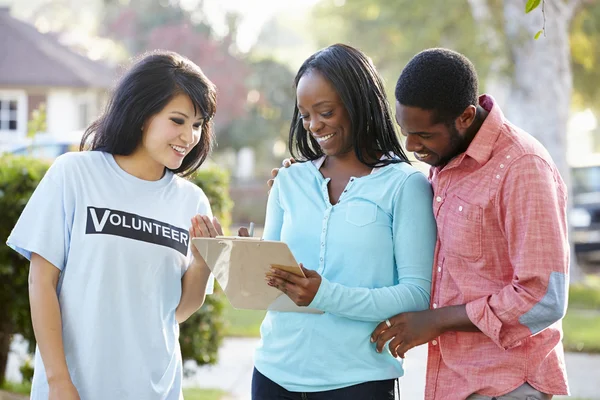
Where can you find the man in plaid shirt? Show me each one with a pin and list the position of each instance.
(500, 279)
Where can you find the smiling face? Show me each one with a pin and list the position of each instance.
(170, 135)
(323, 114)
(433, 143)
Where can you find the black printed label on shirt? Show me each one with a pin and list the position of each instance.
(119, 223)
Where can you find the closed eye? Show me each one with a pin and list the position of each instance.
(327, 114)
(178, 121)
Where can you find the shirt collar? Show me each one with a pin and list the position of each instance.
(482, 145)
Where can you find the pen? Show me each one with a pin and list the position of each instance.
(251, 229)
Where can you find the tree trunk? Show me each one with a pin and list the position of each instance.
(542, 80)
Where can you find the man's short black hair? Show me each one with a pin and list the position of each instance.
(440, 80)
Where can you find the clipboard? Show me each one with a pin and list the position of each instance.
(240, 264)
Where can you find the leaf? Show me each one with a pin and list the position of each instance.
(531, 5)
(537, 35)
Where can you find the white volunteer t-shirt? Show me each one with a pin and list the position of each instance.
(122, 245)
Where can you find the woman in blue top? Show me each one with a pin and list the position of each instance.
(360, 217)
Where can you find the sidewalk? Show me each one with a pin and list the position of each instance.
(233, 373)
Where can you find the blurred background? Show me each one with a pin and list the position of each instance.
(60, 58)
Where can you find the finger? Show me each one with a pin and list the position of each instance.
(292, 278)
(286, 163)
(279, 284)
(394, 345)
(384, 338)
(243, 232)
(292, 160)
(192, 228)
(378, 331)
(203, 229)
(274, 172)
(218, 226)
(402, 348)
(197, 226)
(209, 225)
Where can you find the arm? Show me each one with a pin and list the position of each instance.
(195, 279)
(274, 216)
(532, 211)
(47, 326)
(414, 234)
(532, 205)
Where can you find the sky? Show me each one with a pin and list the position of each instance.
(254, 13)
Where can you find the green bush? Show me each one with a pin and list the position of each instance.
(19, 176)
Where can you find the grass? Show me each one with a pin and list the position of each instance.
(203, 394)
(188, 394)
(242, 323)
(581, 329)
(19, 388)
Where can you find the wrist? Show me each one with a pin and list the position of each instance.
(58, 378)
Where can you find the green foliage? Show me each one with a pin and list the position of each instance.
(391, 32)
(37, 123)
(532, 5)
(27, 371)
(19, 176)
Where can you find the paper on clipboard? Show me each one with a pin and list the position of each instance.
(240, 264)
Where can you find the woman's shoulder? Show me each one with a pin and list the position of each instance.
(404, 171)
(296, 170)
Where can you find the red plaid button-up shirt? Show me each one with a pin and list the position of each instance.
(503, 251)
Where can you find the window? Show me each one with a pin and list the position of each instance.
(13, 114)
(8, 115)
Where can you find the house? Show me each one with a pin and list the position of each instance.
(34, 69)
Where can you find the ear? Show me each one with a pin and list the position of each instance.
(464, 120)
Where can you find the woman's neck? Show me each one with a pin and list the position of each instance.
(141, 166)
(346, 162)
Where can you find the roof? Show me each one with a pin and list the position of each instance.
(31, 58)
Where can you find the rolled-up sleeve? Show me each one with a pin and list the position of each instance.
(532, 211)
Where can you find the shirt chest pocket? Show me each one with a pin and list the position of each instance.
(361, 213)
(463, 230)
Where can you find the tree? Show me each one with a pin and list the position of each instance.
(499, 37)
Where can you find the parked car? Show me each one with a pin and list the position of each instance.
(47, 147)
(585, 215)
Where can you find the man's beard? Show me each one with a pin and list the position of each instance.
(458, 145)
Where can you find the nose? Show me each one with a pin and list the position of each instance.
(187, 135)
(315, 125)
(413, 144)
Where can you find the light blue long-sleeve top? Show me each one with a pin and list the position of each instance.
(374, 251)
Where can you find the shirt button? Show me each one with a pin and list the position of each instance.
(439, 269)
(322, 244)
(459, 208)
(434, 305)
(438, 199)
(507, 157)
(434, 342)
(501, 165)
(497, 176)
(321, 259)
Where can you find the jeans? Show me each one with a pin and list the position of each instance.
(265, 389)
(523, 392)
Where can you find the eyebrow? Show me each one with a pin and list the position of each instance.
(319, 103)
(185, 115)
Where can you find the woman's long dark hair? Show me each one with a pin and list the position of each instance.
(360, 88)
(144, 91)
